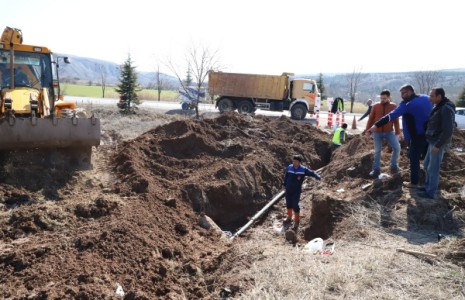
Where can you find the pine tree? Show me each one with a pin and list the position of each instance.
(461, 99)
(128, 86)
(188, 80)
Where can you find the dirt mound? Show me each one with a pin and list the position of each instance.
(133, 221)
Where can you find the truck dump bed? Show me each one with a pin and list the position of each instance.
(248, 85)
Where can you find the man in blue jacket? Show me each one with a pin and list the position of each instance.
(414, 110)
(293, 179)
(439, 135)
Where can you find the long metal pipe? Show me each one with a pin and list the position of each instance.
(264, 209)
(261, 212)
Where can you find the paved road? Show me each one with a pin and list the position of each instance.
(175, 108)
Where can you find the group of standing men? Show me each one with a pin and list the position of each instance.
(427, 125)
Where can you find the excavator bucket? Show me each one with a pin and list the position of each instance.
(75, 136)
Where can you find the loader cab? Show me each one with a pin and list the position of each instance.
(33, 69)
(24, 78)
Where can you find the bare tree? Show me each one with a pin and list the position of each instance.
(426, 80)
(201, 60)
(353, 80)
(159, 82)
(103, 78)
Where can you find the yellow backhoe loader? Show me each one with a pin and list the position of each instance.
(33, 114)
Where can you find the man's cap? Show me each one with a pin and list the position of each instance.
(297, 157)
(407, 86)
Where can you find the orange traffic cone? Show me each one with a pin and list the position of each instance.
(354, 124)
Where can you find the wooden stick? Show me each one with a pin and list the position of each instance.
(416, 253)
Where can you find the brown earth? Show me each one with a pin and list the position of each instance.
(133, 220)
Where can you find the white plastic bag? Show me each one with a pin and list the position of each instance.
(119, 290)
(314, 246)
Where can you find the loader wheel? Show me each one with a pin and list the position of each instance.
(298, 111)
(225, 105)
(245, 107)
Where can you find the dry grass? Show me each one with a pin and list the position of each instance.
(360, 268)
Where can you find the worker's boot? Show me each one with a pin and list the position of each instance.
(287, 221)
(296, 226)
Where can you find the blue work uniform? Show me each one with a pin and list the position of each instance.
(293, 179)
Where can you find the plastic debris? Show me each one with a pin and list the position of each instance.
(119, 290)
(225, 292)
(314, 246)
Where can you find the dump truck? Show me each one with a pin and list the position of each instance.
(33, 114)
(248, 92)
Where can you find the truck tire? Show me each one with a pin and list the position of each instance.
(225, 105)
(245, 107)
(298, 111)
(185, 106)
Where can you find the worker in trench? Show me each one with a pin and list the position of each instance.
(293, 179)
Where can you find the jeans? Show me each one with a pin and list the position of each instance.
(417, 148)
(392, 141)
(432, 166)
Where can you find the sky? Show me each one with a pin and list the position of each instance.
(251, 36)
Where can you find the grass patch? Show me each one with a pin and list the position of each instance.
(358, 107)
(94, 91)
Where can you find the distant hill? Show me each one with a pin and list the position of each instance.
(85, 70)
(371, 84)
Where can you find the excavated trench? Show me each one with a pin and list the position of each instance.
(228, 167)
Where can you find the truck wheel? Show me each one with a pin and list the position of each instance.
(225, 105)
(185, 106)
(245, 107)
(298, 111)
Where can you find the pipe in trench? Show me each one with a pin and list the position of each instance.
(258, 214)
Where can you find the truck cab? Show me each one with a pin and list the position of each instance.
(303, 94)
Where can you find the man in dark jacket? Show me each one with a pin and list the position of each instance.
(439, 135)
(293, 179)
(414, 110)
(367, 113)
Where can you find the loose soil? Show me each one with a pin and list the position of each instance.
(136, 220)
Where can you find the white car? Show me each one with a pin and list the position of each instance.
(460, 117)
(188, 96)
